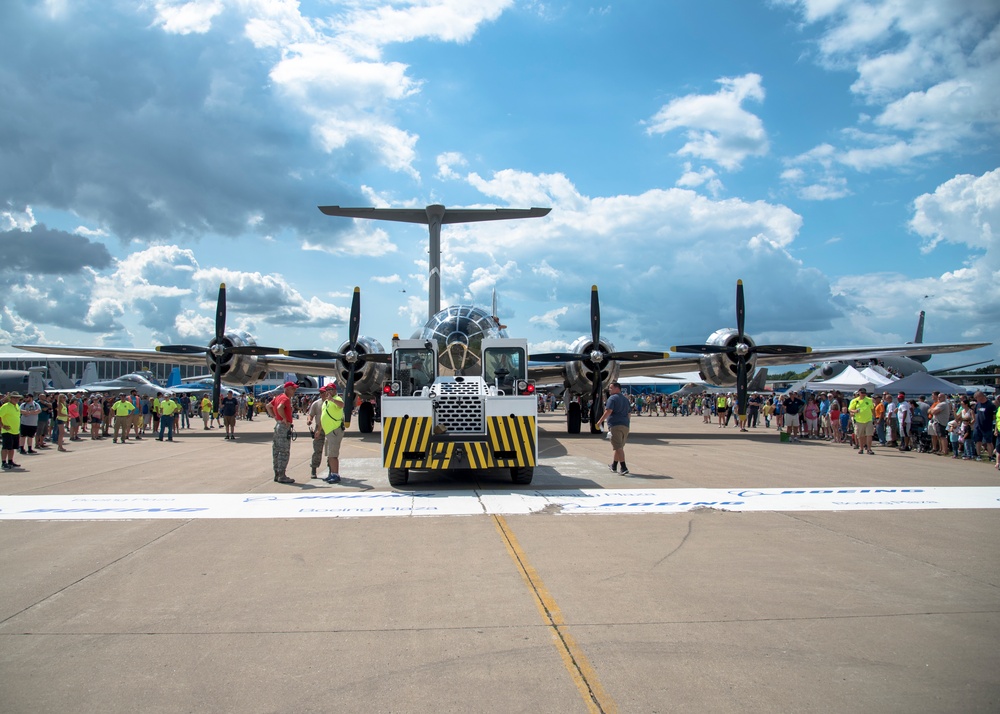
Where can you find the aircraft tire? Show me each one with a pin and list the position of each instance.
(366, 418)
(522, 474)
(573, 418)
(398, 477)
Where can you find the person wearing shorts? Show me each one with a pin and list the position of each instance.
(862, 408)
(616, 413)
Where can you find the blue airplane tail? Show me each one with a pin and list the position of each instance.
(174, 380)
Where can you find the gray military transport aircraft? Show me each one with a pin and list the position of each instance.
(729, 357)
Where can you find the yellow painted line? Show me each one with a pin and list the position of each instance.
(579, 668)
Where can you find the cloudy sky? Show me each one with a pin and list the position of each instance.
(842, 157)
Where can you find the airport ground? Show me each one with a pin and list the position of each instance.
(702, 610)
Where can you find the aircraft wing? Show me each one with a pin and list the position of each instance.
(276, 363)
(450, 215)
(552, 373)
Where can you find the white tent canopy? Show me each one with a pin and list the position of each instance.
(850, 380)
(879, 380)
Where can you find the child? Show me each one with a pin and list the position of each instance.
(952, 430)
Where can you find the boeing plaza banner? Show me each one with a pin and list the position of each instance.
(470, 503)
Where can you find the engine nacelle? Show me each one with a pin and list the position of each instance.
(236, 369)
(368, 376)
(579, 376)
(720, 370)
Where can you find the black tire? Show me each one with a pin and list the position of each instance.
(366, 418)
(573, 418)
(398, 477)
(522, 475)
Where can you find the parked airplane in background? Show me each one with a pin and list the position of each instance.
(729, 357)
(28, 381)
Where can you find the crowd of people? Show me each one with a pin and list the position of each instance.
(32, 423)
(960, 426)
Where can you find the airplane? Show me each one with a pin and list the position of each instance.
(901, 365)
(728, 358)
(28, 381)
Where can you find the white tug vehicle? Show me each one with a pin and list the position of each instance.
(481, 416)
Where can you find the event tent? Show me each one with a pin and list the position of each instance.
(923, 383)
(879, 380)
(848, 381)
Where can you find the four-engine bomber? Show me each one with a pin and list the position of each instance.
(479, 417)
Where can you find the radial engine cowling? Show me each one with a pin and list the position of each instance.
(368, 376)
(235, 369)
(720, 370)
(579, 376)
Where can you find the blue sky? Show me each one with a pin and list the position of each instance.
(842, 158)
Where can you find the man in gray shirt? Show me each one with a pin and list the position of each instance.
(616, 413)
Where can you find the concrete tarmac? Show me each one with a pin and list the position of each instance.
(708, 611)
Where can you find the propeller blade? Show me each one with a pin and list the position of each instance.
(781, 349)
(255, 350)
(700, 349)
(740, 309)
(595, 317)
(355, 321)
(637, 356)
(220, 318)
(349, 402)
(741, 385)
(182, 349)
(313, 354)
(595, 399)
(557, 357)
(216, 391)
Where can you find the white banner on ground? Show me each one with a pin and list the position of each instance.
(468, 503)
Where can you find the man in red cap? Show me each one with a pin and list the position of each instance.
(281, 446)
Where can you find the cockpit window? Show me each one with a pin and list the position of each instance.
(414, 369)
(504, 365)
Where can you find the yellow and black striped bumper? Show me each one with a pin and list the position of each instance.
(408, 443)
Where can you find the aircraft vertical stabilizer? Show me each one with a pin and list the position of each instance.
(89, 374)
(60, 380)
(36, 380)
(175, 378)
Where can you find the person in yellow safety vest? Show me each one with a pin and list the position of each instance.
(722, 409)
(332, 421)
(206, 410)
(122, 409)
(251, 406)
(154, 409)
(168, 408)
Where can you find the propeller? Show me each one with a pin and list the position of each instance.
(742, 350)
(219, 347)
(351, 357)
(596, 357)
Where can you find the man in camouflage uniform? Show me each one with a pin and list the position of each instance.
(281, 409)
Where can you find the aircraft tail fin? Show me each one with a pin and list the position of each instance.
(89, 374)
(759, 381)
(175, 378)
(36, 380)
(918, 338)
(60, 380)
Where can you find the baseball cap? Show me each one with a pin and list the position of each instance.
(291, 385)
(862, 390)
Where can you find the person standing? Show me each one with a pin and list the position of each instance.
(206, 410)
(616, 414)
(332, 425)
(315, 427)
(983, 426)
(940, 414)
(904, 418)
(863, 410)
(122, 409)
(168, 409)
(792, 406)
(280, 409)
(227, 410)
(30, 409)
(10, 431)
